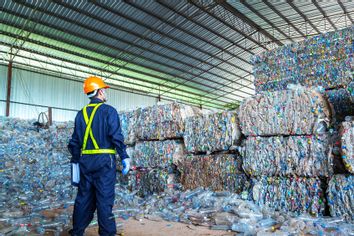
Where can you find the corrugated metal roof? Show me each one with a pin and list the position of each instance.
(199, 46)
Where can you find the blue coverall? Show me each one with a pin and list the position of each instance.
(97, 172)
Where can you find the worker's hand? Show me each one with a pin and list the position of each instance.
(126, 166)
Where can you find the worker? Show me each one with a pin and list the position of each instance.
(96, 138)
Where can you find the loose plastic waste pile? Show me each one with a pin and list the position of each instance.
(223, 211)
(307, 156)
(165, 121)
(325, 60)
(219, 172)
(211, 132)
(35, 176)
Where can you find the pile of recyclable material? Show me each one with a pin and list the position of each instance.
(35, 175)
(60, 134)
(347, 142)
(341, 196)
(148, 181)
(157, 153)
(294, 194)
(325, 60)
(128, 122)
(163, 121)
(211, 132)
(296, 111)
(308, 156)
(218, 172)
(223, 211)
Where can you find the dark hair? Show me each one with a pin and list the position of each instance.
(92, 93)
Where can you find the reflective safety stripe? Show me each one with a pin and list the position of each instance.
(87, 121)
(99, 151)
(88, 132)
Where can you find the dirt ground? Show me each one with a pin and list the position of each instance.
(146, 227)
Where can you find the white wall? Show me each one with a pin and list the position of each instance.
(46, 90)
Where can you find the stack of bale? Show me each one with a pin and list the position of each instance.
(323, 61)
(156, 133)
(287, 148)
(212, 161)
(341, 187)
(299, 151)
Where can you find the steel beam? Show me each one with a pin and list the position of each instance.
(265, 19)
(324, 14)
(241, 16)
(228, 25)
(303, 15)
(77, 34)
(283, 17)
(345, 11)
(8, 93)
(66, 5)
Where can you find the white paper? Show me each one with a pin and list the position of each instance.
(75, 176)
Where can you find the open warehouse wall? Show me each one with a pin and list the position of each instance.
(66, 96)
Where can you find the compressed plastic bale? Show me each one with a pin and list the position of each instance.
(128, 122)
(297, 111)
(298, 194)
(211, 132)
(218, 172)
(347, 142)
(324, 60)
(164, 121)
(340, 194)
(148, 181)
(157, 153)
(307, 156)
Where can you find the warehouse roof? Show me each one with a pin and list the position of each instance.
(197, 52)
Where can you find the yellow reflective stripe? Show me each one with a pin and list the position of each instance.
(85, 115)
(99, 151)
(86, 121)
(88, 129)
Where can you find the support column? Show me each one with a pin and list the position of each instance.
(50, 116)
(8, 94)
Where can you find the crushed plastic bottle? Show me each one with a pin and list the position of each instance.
(307, 156)
(35, 171)
(294, 194)
(324, 60)
(157, 153)
(216, 171)
(347, 144)
(287, 112)
(341, 196)
(165, 121)
(128, 120)
(211, 132)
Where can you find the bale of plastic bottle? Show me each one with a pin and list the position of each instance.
(212, 132)
(296, 111)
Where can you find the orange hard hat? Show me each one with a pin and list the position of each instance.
(93, 83)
